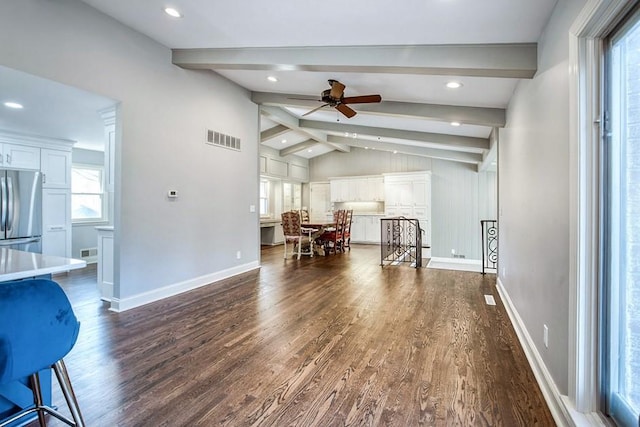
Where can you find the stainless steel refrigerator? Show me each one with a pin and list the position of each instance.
(21, 210)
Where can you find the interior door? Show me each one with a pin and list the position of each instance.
(320, 200)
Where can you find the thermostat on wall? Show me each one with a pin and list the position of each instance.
(172, 194)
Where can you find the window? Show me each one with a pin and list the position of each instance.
(291, 196)
(621, 251)
(87, 193)
(264, 199)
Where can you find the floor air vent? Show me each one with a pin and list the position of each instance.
(222, 140)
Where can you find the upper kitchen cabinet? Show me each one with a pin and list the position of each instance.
(56, 168)
(357, 189)
(14, 156)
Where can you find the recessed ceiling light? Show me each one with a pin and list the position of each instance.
(272, 79)
(454, 85)
(13, 105)
(172, 12)
(284, 141)
(366, 148)
(309, 150)
(346, 134)
(355, 135)
(395, 151)
(455, 123)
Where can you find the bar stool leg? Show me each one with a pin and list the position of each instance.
(65, 385)
(37, 398)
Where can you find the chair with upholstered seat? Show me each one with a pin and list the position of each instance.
(304, 215)
(346, 232)
(296, 235)
(37, 329)
(333, 237)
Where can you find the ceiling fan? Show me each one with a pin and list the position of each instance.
(335, 98)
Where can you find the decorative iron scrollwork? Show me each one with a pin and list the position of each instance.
(489, 244)
(401, 241)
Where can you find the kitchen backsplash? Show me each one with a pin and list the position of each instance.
(361, 208)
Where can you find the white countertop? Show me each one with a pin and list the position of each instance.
(16, 264)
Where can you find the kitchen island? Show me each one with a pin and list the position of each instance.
(16, 265)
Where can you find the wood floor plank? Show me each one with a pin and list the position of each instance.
(323, 341)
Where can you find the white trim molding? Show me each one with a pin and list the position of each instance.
(119, 305)
(585, 65)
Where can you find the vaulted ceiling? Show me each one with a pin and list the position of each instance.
(406, 51)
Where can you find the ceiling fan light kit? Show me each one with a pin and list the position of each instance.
(334, 97)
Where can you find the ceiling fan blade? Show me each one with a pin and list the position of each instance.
(337, 89)
(314, 110)
(365, 99)
(346, 110)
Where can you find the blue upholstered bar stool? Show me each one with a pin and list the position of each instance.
(37, 329)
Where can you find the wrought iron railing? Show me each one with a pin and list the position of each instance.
(400, 241)
(489, 229)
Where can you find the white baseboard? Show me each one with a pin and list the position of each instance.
(120, 305)
(460, 264)
(549, 389)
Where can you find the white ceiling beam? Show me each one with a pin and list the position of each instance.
(482, 116)
(298, 147)
(517, 60)
(490, 158)
(273, 132)
(456, 156)
(476, 144)
(281, 117)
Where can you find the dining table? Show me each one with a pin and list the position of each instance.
(319, 228)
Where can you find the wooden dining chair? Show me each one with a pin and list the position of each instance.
(333, 237)
(296, 235)
(346, 232)
(304, 215)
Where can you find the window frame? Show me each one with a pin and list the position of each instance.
(267, 198)
(104, 214)
(613, 395)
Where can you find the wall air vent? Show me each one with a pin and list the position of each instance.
(90, 255)
(222, 140)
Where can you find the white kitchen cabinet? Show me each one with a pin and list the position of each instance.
(357, 189)
(365, 228)
(375, 189)
(372, 228)
(15, 156)
(56, 222)
(339, 190)
(409, 195)
(56, 168)
(358, 232)
(51, 156)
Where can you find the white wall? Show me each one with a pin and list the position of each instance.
(163, 114)
(455, 209)
(534, 196)
(85, 236)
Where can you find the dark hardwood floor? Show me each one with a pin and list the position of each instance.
(326, 341)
